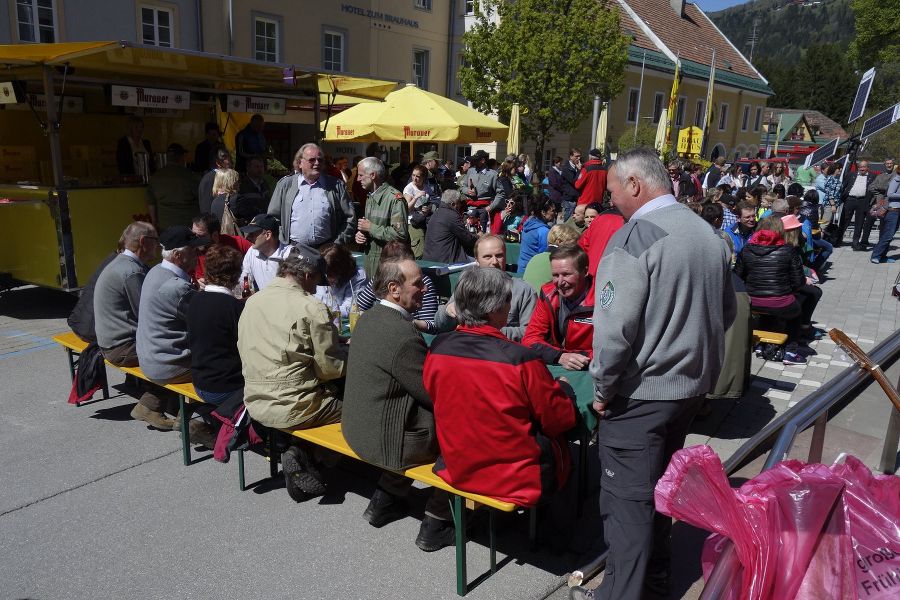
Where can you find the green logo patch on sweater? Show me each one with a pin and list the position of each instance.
(607, 295)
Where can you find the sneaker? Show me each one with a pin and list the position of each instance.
(385, 508)
(580, 593)
(302, 480)
(793, 358)
(875, 261)
(435, 534)
(890, 260)
(155, 419)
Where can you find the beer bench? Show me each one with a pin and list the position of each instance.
(332, 438)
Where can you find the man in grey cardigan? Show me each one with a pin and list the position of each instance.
(490, 253)
(388, 417)
(162, 338)
(663, 301)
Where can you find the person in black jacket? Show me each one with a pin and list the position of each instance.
(447, 240)
(130, 146)
(857, 197)
(773, 272)
(568, 191)
(81, 319)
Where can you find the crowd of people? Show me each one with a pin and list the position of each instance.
(642, 274)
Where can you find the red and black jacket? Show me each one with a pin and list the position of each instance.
(591, 182)
(500, 416)
(550, 338)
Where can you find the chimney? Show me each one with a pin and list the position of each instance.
(678, 7)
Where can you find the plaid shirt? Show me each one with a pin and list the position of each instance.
(728, 219)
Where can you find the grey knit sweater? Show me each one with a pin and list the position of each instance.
(117, 297)
(663, 301)
(162, 338)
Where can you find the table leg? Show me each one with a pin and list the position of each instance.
(185, 431)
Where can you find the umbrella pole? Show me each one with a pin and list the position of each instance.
(412, 156)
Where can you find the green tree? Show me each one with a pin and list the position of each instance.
(877, 32)
(646, 137)
(549, 56)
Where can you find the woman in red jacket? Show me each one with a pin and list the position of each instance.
(500, 430)
(561, 329)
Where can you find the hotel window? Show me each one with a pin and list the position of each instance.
(679, 112)
(758, 119)
(745, 118)
(723, 116)
(420, 69)
(700, 114)
(470, 7)
(631, 117)
(265, 39)
(658, 106)
(332, 50)
(36, 20)
(422, 4)
(156, 26)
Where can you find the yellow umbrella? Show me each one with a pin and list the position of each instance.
(413, 115)
(512, 139)
(661, 130)
(602, 127)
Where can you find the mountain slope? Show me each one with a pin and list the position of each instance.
(784, 28)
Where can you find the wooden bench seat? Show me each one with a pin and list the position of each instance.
(769, 337)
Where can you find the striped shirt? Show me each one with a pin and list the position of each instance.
(366, 299)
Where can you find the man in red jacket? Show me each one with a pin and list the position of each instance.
(591, 182)
(500, 431)
(561, 329)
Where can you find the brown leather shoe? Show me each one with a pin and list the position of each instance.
(157, 420)
(202, 434)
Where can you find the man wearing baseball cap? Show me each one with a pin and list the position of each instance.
(162, 340)
(262, 260)
(430, 161)
(291, 356)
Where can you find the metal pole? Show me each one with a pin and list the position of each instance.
(53, 127)
(888, 462)
(637, 112)
(594, 120)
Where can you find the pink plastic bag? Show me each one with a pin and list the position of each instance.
(799, 531)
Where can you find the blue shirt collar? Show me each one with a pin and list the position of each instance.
(175, 269)
(655, 204)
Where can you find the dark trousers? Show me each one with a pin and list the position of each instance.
(156, 399)
(856, 209)
(438, 504)
(636, 441)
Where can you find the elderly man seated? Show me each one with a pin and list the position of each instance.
(490, 253)
(501, 431)
(291, 359)
(163, 347)
(561, 329)
(388, 417)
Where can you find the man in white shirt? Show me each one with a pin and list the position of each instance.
(857, 198)
(262, 260)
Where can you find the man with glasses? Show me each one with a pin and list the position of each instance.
(314, 208)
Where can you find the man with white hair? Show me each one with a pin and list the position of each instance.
(314, 208)
(663, 301)
(385, 219)
(162, 339)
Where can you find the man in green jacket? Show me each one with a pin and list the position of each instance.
(385, 219)
(388, 417)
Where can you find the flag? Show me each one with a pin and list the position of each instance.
(673, 101)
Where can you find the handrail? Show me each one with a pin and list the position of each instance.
(795, 420)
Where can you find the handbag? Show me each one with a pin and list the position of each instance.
(229, 223)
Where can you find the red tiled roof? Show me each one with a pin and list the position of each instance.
(692, 37)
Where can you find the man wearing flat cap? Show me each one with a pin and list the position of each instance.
(262, 260)
(162, 339)
(291, 357)
(480, 187)
(172, 191)
(431, 161)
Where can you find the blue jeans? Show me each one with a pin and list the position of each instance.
(215, 398)
(825, 249)
(886, 231)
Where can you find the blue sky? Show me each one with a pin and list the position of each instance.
(709, 6)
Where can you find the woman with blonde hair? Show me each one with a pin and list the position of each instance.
(225, 192)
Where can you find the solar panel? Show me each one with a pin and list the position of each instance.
(862, 95)
(823, 153)
(884, 119)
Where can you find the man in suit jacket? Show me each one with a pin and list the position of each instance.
(568, 175)
(314, 208)
(554, 181)
(447, 240)
(388, 417)
(857, 197)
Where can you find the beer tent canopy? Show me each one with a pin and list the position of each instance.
(413, 115)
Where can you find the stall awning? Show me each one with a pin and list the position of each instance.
(126, 61)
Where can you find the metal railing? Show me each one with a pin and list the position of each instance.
(811, 411)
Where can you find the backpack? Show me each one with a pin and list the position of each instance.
(90, 374)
